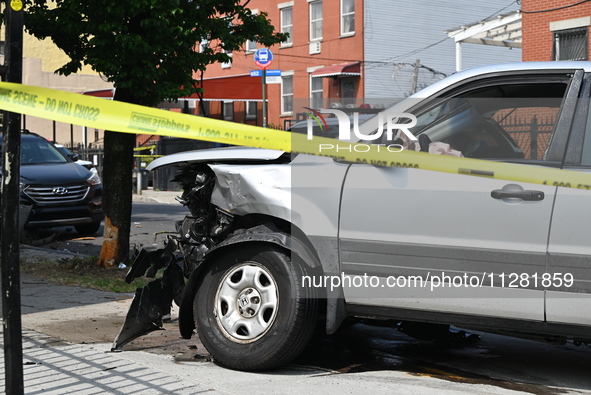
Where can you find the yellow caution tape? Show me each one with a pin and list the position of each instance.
(145, 147)
(147, 156)
(130, 118)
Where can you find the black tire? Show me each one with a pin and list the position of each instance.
(251, 344)
(88, 229)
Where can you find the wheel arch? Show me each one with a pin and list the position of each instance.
(262, 235)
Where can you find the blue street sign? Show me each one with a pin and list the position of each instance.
(270, 73)
(263, 58)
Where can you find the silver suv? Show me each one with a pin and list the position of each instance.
(276, 243)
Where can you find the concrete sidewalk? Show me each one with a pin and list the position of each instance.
(53, 367)
(152, 196)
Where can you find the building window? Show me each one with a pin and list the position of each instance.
(571, 44)
(227, 64)
(287, 24)
(316, 94)
(251, 46)
(348, 95)
(347, 17)
(203, 107)
(203, 46)
(316, 20)
(250, 110)
(228, 110)
(287, 94)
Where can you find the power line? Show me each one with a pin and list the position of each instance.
(372, 64)
(416, 51)
(555, 9)
(502, 9)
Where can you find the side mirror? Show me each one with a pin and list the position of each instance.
(74, 157)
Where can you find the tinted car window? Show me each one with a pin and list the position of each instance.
(502, 121)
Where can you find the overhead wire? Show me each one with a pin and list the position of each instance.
(389, 60)
(556, 8)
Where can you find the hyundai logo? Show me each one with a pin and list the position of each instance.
(60, 191)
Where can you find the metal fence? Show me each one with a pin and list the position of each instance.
(94, 154)
(531, 135)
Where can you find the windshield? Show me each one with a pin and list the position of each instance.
(64, 150)
(37, 151)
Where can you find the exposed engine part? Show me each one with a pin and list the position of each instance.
(207, 225)
(198, 233)
(206, 230)
(201, 229)
(197, 183)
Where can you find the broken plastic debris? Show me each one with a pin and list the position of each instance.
(122, 266)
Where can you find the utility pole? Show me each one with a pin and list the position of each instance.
(12, 71)
(415, 76)
(264, 79)
(263, 58)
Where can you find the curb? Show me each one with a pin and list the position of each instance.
(168, 197)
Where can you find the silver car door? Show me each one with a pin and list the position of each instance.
(568, 278)
(423, 240)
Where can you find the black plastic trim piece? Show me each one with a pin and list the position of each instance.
(488, 324)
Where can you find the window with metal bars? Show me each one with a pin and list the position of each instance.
(228, 110)
(571, 44)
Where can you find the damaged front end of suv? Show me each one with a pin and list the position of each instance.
(237, 197)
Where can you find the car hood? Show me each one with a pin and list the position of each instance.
(84, 162)
(218, 155)
(58, 173)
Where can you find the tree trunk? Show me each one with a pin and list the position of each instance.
(117, 190)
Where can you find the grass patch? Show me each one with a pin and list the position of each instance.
(82, 272)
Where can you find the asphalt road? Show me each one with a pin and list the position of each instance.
(149, 224)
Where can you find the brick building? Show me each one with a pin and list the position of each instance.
(555, 29)
(364, 53)
(326, 40)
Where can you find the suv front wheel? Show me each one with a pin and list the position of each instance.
(251, 310)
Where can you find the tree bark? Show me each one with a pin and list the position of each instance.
(117, 191)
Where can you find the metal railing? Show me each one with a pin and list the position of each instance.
(532, 136)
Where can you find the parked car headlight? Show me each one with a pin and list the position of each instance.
(94, 179)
